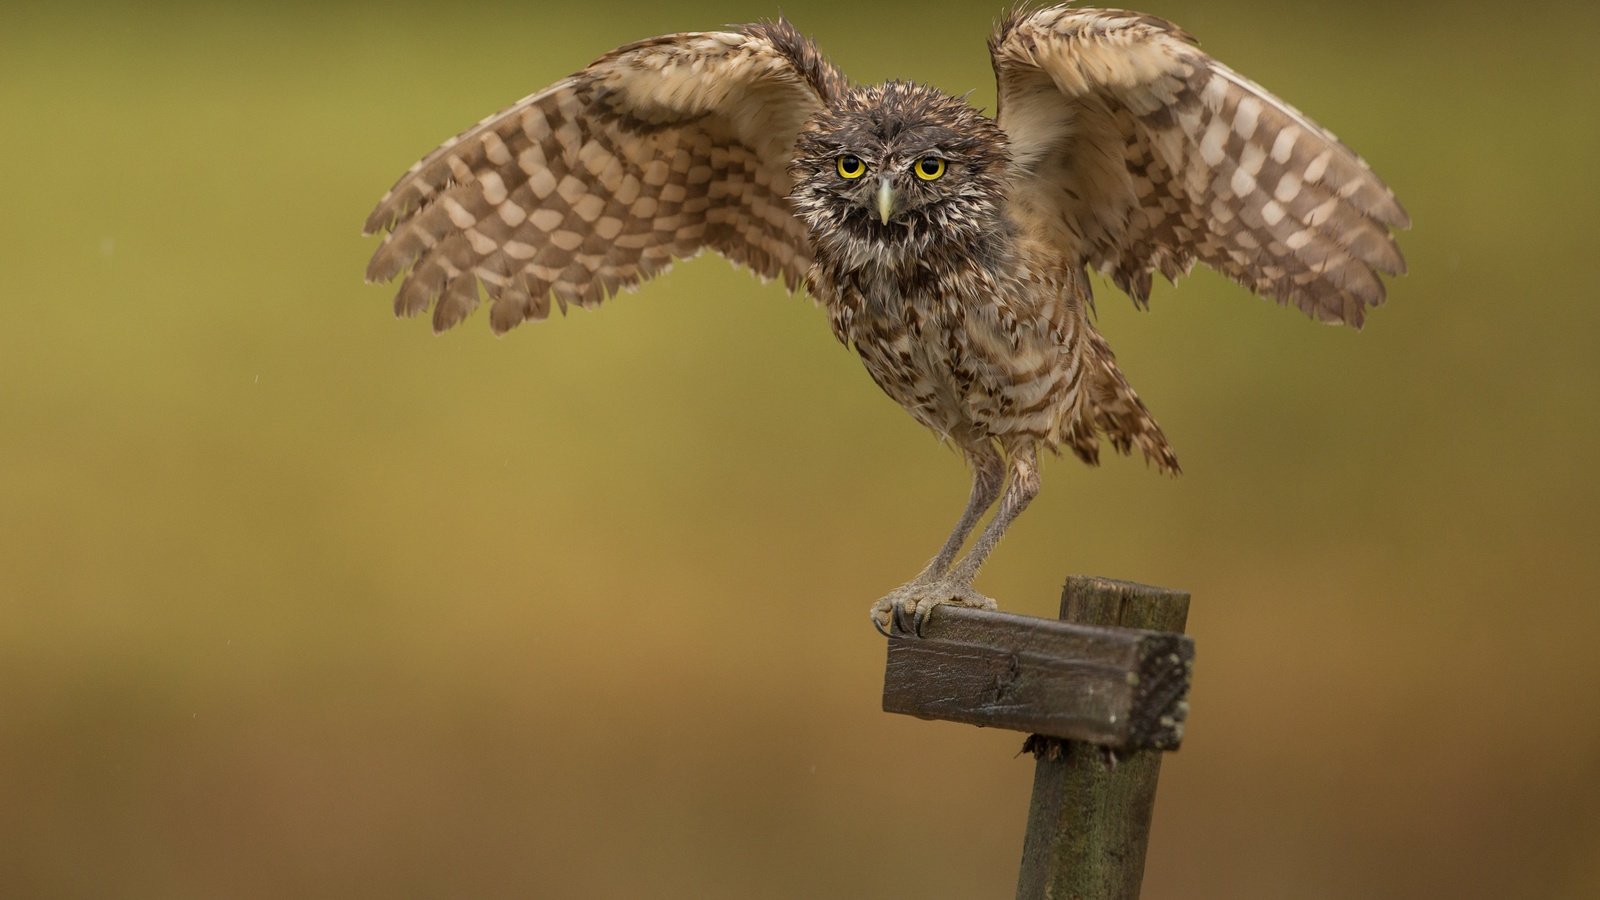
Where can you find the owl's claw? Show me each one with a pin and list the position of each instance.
(906, 609)
(878, 626)
(908, 621)
(896, 622)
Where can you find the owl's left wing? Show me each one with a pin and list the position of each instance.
(1142, 154)
(656, 151)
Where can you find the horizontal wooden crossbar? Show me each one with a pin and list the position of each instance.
(1123, 688)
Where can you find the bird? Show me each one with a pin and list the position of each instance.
(953, 250)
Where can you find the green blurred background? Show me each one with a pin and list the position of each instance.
(297, 600)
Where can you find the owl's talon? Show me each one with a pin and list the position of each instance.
(921, 618)
(895, 618)
(906, 610)
(878, 626)
(914, 626)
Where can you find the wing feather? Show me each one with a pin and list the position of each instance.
(1141, 154)
(655, 152)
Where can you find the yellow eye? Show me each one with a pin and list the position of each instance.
(851, 166)
(929, 168)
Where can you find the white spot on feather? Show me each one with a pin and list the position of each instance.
(1251, 158)
(542, 183)
(481, 243)
(1243, 182)
(1319, 166)
(494, 188)
(512, 214)
(1283, 144)
(495, 149)
(1323, 212)
(1288, 188)
(1211, 146)
(458, 214)
(1246, 117)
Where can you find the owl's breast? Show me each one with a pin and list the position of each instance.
(971, 356)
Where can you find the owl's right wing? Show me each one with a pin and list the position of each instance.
(1139, 154)
(655, 152)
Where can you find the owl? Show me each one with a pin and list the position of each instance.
(950, 249)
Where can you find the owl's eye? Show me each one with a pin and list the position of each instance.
(851, 166)
(929, 168)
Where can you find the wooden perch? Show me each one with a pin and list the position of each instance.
(1122, 688)
(1114, 673)
(1089, 821)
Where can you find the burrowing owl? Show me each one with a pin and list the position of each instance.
(950, 249)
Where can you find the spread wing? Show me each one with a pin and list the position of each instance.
(1142, 154)
(655, 152)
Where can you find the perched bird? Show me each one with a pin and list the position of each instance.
(951, 250)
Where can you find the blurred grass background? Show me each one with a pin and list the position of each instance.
(298, 600)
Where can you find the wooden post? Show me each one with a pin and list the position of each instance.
(1104, 691)
(1089, 821)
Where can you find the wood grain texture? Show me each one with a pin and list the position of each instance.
(1089, 820)
(1116, 687)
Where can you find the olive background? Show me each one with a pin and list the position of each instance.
(299, 600)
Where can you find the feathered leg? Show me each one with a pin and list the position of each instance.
(988, 476)
(1020, 492)
(919, 597)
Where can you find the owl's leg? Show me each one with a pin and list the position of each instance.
(988, 476)
(955, 585)
(1020, 492)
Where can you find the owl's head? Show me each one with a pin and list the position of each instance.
(894, 171)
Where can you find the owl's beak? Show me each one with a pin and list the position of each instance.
(885, 200)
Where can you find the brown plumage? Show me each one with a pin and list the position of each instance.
(950, 250)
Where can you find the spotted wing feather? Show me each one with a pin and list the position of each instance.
(655, 152)
(1142, 154)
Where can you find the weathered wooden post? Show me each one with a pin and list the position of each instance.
(1103, 692)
